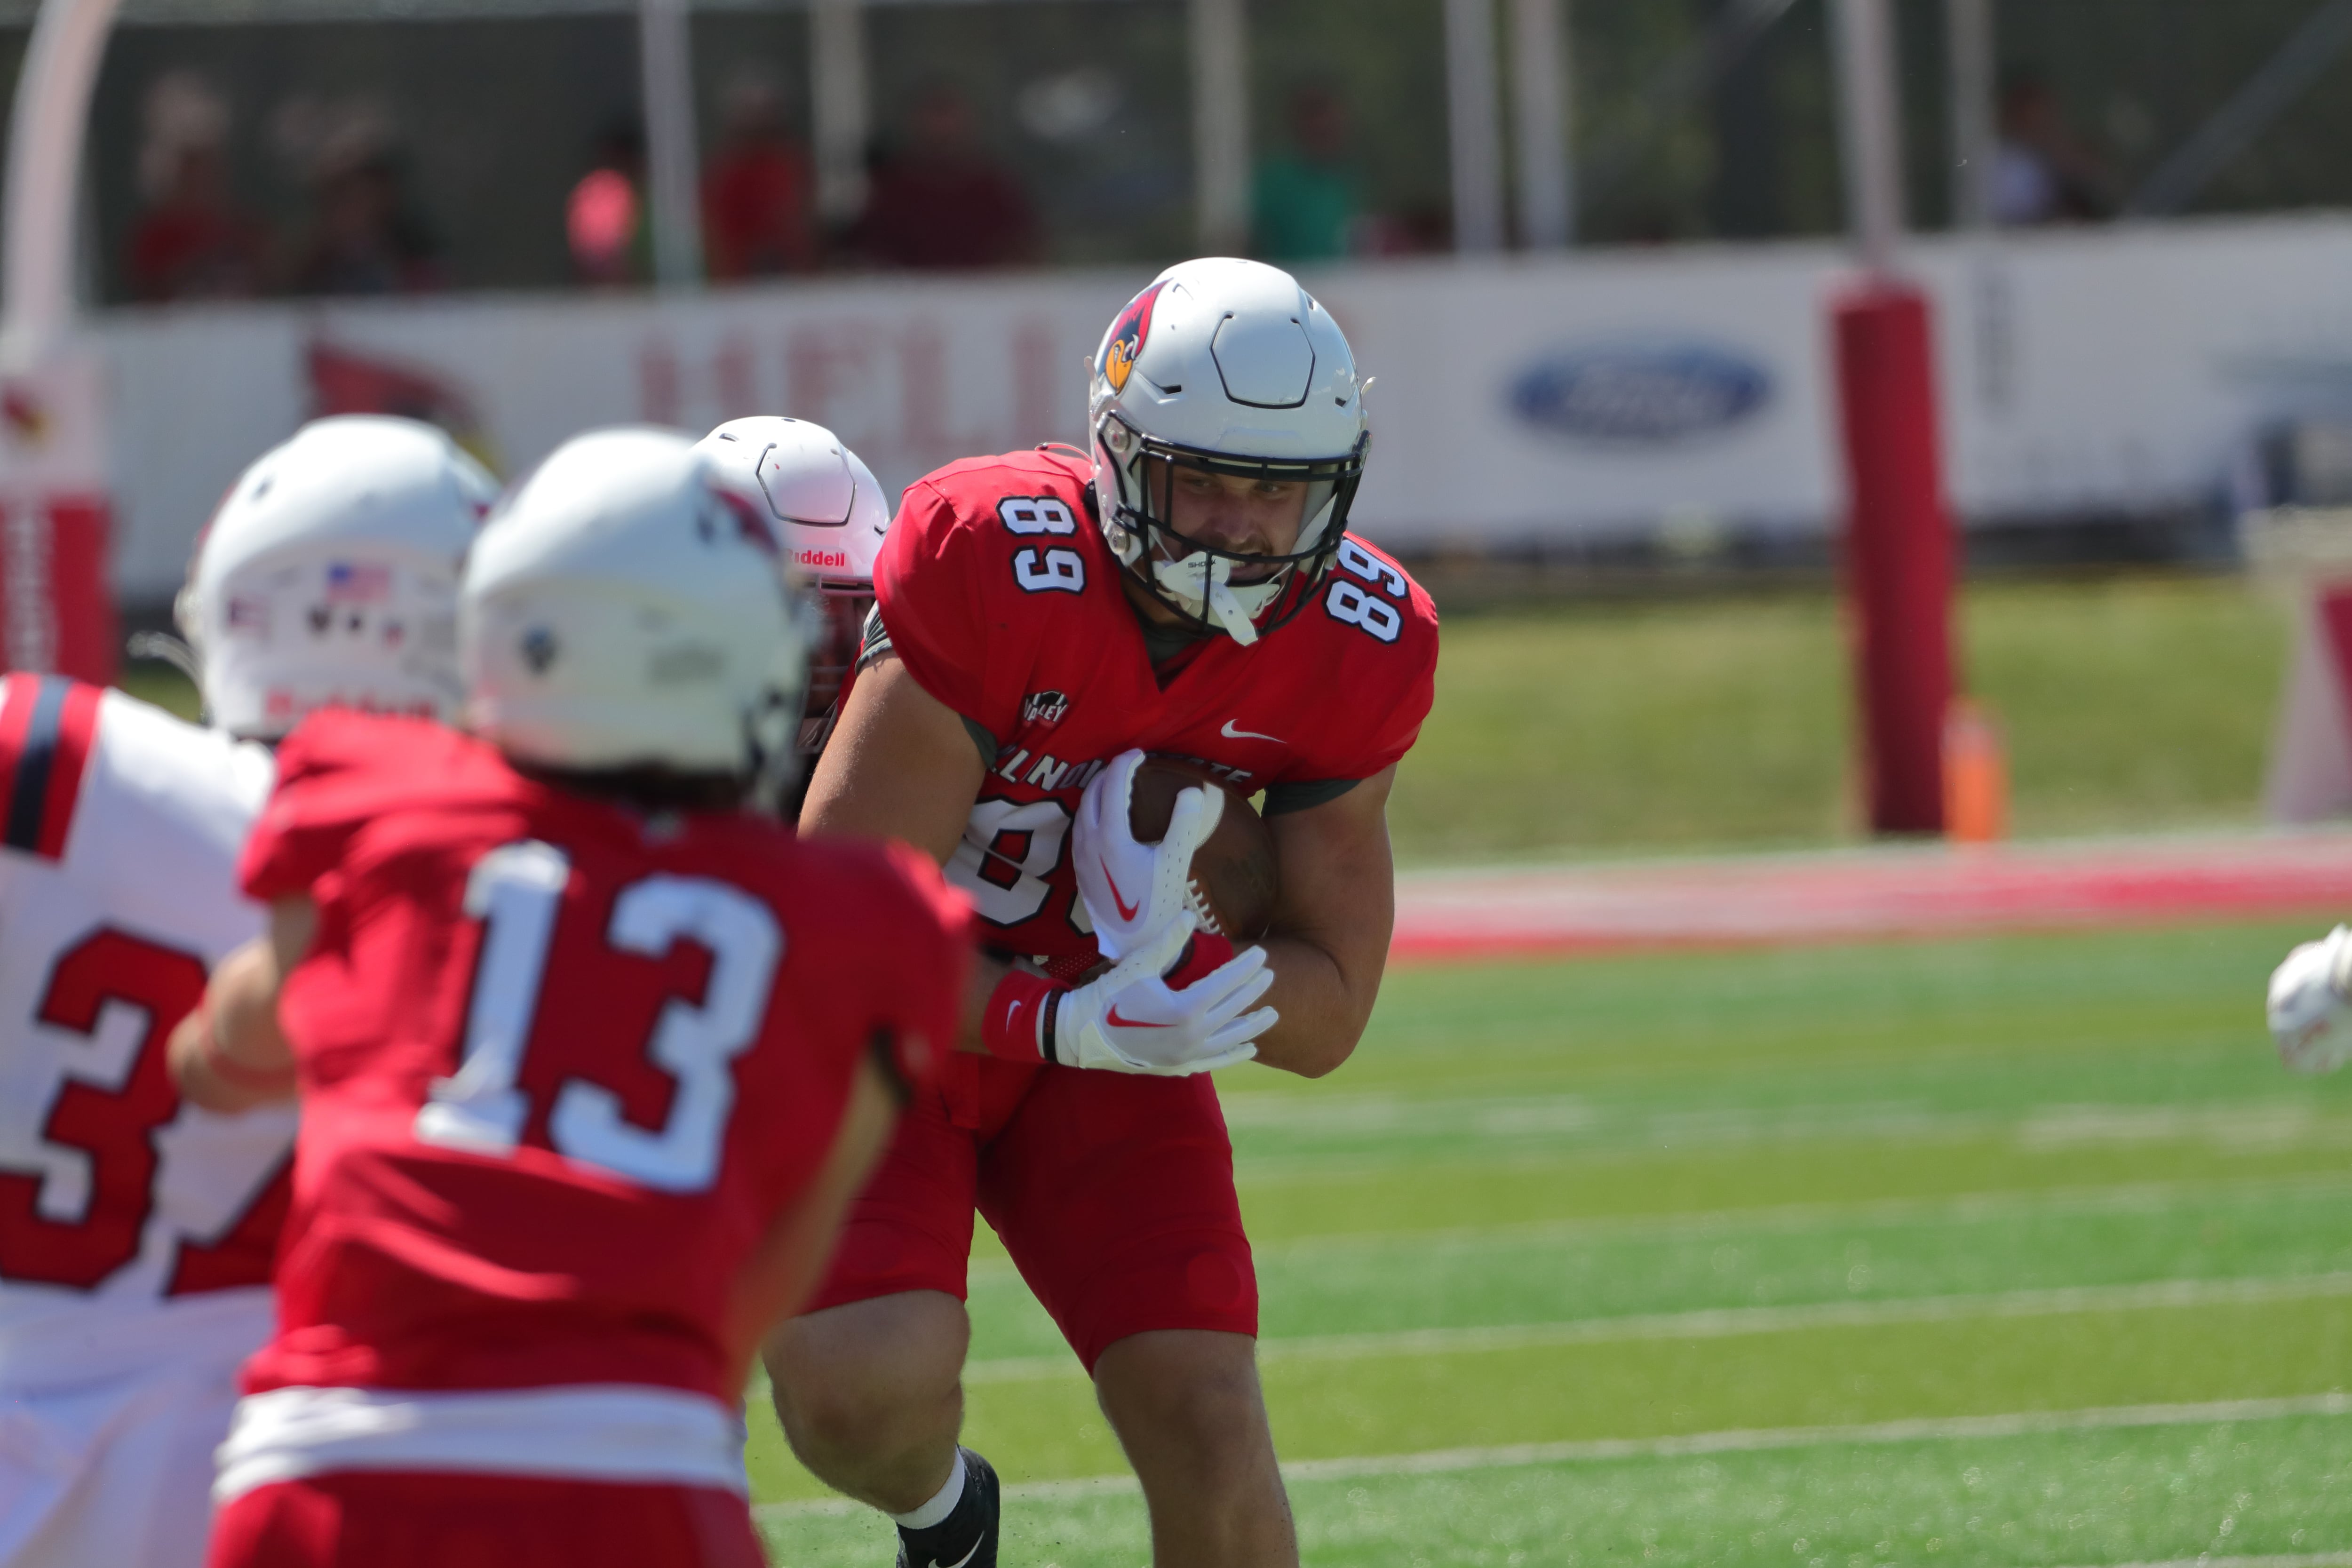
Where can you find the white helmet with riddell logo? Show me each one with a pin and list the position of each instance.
(328, 576)
(625, 609)
(1232, 367)
(827, 508)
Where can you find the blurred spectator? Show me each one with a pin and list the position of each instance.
(1308, 197)
(191, 240)
(605, 217)
(937, 200)
(2043, 173)
(365, 236)
(756, 191)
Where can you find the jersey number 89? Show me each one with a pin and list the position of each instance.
(1347, 602)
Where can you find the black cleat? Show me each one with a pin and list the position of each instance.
(967, 1537)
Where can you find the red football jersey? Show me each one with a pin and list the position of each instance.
(1000, 593)
(562, 1064)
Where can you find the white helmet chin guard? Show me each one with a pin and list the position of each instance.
(625, 609)
(328, 576)
(1231, 367)
(827, 508)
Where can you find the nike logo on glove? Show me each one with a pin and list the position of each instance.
(1230, 733)
(1125, 911)
(1113, 1018)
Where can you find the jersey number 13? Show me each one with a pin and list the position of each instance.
(515, 891)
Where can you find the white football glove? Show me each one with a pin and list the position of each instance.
(1135, 893)
(1129, 1019)
(2309, 1017)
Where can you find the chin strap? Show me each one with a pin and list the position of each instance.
(1226, 605)
(1182, 579)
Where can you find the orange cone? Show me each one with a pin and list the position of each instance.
(1976, 776)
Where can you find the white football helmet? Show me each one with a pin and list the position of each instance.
(328, 576)
(830, 514)
(2308, 1011)
(827, 507)
(1229, 366)
(625, 609)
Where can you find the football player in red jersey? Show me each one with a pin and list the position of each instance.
(591, 1056)
(1042, 617)
(136, 1231)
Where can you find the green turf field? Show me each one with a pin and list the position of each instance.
(2008, 1251)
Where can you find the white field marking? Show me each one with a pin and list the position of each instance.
(1730, 1322)
(2317, 1560)
(1933, 1429)
(2045, 1130)
(2149, 1197)
(1355, 1115)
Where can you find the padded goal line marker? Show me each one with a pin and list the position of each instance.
(2022, 1424)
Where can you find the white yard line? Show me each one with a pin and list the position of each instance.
(2021, 1424)
(2262, 1125)
(1731, 1321)
(2314, 1559)
(2134, 1197)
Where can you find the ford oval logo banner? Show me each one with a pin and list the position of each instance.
(1647, 391)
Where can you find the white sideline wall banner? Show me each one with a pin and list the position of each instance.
(1602, 395)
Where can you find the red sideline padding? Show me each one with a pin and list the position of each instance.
(1862, 895)
(56, 612)
(1898, 551)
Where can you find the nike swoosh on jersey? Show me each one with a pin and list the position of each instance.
(1113, 1018)
(1125, 911)
(1230, 733)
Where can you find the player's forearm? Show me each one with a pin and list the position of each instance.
(1331, 928)
(1324, 1007)
(987, 974)
(228, 1055)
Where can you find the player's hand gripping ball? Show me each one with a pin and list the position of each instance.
(1129, 1019)
(2309, 1015)
(1232, 886)
(1158, 842)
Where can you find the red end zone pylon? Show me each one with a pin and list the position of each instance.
(2310, 753)
(1898, 550)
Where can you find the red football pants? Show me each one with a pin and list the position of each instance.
(400, 1519)
(1114, 1194)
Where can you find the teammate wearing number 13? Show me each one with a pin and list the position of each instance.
(1190, 588)
(590, 1051)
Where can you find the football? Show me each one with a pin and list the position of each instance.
(1234, 882)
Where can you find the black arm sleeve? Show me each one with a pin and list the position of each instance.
(1282, 798)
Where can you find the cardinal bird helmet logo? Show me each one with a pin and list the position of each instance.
(1127, 336)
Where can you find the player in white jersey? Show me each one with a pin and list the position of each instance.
(137, 1234)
